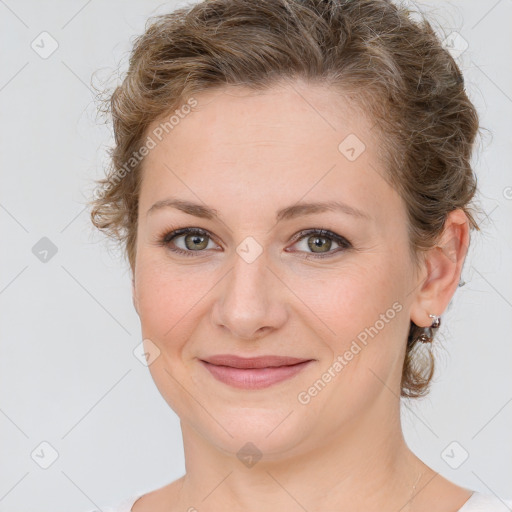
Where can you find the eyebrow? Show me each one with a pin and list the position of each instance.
(290, 212)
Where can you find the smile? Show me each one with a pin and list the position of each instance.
(254, 373)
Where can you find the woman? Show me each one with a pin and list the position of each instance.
(292, 183)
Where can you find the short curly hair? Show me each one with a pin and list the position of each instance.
(393, 67)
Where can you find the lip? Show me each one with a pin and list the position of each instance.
(253, 372)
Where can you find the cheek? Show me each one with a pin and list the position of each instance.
(166, 302)
(361, 308)
(353, 297)
(383, 323)
(168, 306)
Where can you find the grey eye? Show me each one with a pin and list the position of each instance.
(319, 243)
(195, 242)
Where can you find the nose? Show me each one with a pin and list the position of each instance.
(252, 302)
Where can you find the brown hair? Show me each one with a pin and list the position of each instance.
(394, 68)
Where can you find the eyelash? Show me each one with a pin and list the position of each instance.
(165, 240)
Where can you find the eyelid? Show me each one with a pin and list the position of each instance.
(318, 232)
(344, 243)
(170, 234)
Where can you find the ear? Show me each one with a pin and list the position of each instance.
(442, 269)
(135, 298)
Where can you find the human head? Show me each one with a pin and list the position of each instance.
(392, 68)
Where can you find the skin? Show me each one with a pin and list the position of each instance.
(247, 155)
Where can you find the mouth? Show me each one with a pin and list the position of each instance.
(253, 372)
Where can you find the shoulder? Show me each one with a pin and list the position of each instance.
(123, 506)
(155, 501)
(481, 502)
(126, 505)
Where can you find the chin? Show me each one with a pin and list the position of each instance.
(270, 433)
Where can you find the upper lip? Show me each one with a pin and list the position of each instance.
(253, 362)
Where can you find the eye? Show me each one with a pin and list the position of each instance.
(319, 242)
(187, 241)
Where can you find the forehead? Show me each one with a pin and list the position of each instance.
(294, 113)
(295, 140)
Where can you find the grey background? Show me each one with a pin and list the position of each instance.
(68, 375)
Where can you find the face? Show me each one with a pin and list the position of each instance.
(253, 272)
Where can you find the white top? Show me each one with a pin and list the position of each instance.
(478, 502)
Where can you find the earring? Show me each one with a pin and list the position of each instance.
(426, 336)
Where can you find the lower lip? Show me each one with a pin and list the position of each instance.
(254, 378)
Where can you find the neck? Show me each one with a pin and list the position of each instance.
(364, 466)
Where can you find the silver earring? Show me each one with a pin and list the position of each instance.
(427, 335)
